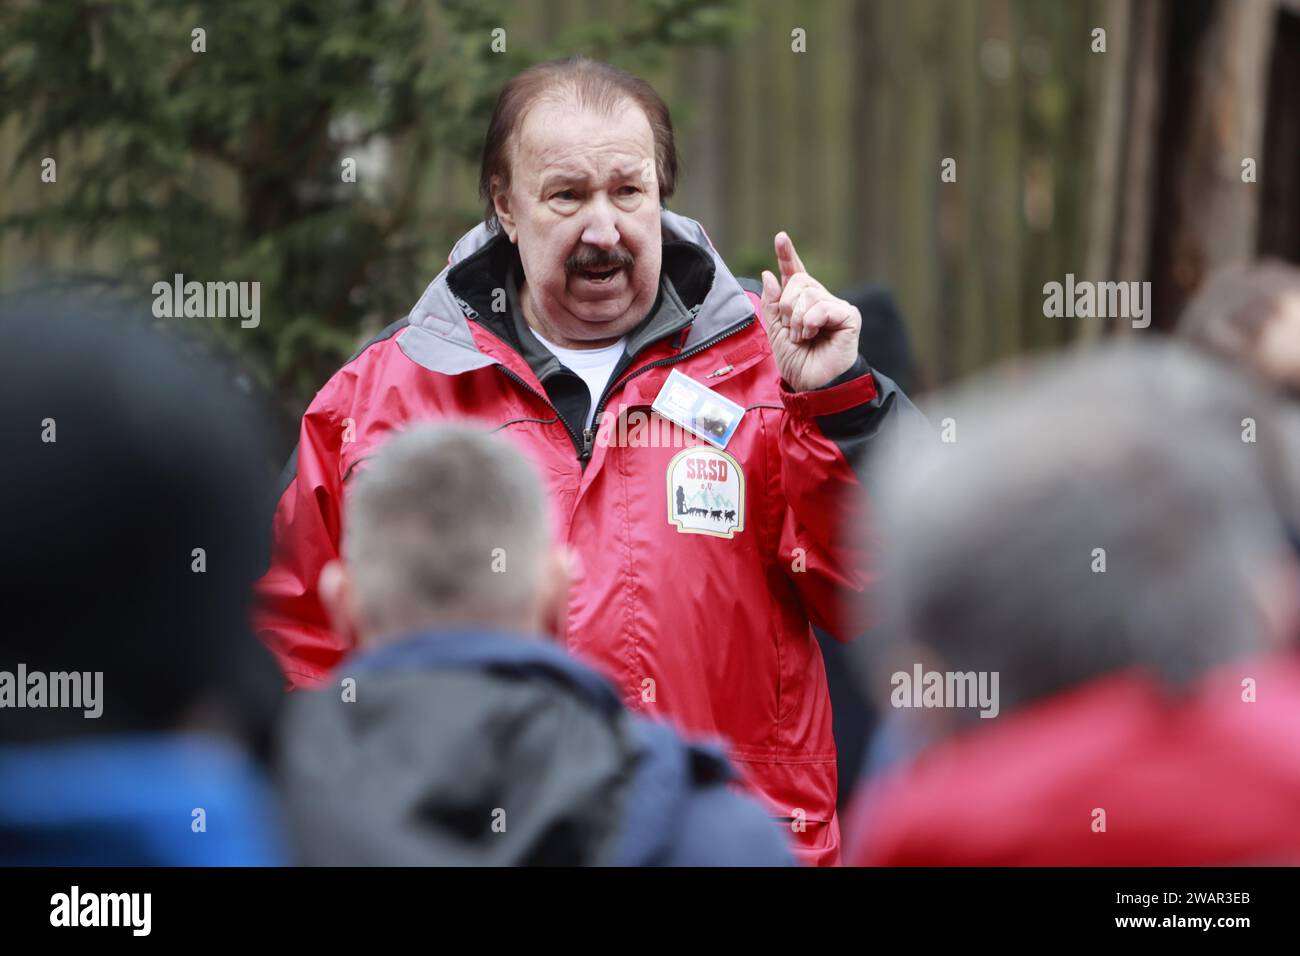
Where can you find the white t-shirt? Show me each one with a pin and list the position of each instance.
(593, 366)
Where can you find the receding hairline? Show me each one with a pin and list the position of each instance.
(589, 85)
(553, 98)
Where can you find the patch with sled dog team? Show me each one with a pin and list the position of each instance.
(706, 493)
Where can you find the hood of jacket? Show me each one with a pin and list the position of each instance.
(457, 748)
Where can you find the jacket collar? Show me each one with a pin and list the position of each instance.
(685, 266)
(697, 291)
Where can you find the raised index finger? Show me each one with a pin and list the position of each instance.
(786, 258)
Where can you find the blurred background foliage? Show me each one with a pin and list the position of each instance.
(226, 164)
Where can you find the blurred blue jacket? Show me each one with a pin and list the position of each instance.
(130, 801)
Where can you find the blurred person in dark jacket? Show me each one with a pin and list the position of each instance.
(1098, 549)
(134, 502)
(459, 733)
(884, 336)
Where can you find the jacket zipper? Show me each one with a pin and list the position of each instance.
(585, 442)
(577, 442)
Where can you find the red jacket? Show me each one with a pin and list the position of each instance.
(1200, 779)
(698, 614)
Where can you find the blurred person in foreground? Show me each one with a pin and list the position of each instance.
(1100, 540)
(1249, 315)
(134, 497)
(854, 718)
(459, 733)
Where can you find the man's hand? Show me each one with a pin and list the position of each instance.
(814, 335)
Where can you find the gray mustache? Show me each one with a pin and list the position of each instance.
(597, 260)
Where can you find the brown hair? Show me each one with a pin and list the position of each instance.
(1228, 313)
(591, 84)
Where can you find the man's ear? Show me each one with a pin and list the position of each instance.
(501, 203)
(335, 589)
(554, 591)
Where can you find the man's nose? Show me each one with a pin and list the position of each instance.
(601, 229)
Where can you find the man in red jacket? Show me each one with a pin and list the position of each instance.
(699, 441)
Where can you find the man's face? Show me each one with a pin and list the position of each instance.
(583, 208)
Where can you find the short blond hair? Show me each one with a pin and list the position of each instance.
(446, 525)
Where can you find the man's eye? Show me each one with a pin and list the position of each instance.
(566, 195)
(628, 190)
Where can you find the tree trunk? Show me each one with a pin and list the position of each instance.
(1206, 215)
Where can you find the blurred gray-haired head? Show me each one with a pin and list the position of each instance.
(1096, 512)
(447, 526)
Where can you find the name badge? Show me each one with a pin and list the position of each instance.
(698, 409)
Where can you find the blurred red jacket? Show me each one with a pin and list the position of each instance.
(700, 567)
(1206, 778)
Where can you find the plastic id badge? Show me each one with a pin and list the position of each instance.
(698, 409)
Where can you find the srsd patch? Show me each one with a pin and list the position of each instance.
(706, 493)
